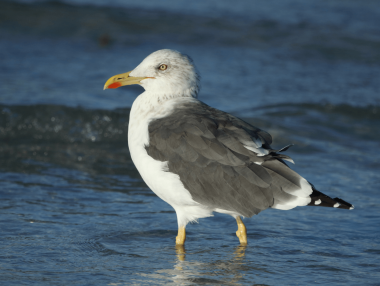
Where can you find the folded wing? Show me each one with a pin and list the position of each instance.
(224, 162)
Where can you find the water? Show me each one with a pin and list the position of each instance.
(73, 208)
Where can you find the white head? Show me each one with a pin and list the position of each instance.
(164, 74)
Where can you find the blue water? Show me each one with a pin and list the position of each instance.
(75, 211)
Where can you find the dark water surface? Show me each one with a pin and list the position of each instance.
(73, 208)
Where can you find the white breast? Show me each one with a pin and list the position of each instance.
(166, 185)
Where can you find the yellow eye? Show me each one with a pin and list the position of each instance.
(162, 67)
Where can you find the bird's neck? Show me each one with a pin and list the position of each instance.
(159, 96)
(148, 105)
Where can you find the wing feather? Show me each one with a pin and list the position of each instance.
(207, 148)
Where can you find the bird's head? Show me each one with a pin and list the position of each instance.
(164, 73)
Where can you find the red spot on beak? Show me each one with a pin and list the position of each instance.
(114, 85)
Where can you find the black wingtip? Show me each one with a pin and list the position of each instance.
(321, 200)
(343, 204)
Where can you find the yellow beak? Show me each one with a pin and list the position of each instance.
(121, 80)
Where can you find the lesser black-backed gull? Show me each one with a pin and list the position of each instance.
(202, 160)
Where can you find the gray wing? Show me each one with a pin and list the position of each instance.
(208, 149)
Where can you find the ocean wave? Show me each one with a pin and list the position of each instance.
(62, 124)
(35, 137)
(55, 123)
(369, 112)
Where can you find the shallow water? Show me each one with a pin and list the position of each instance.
(75, 211)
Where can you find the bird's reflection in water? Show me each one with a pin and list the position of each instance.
(240, 252)
(214, 271)
(207, 266)
(181, 252)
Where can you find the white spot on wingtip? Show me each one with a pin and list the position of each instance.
(317, 202)
(351, 207)
(336, 205)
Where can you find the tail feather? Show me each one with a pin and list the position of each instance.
(321, 200)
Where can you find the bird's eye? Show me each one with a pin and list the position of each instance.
(162, 67)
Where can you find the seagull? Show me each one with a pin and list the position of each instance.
(200, 159)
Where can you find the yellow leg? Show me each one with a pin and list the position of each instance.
(241, 233)
(181, 237)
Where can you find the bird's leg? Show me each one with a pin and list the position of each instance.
(181, 237)
(241, 233)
